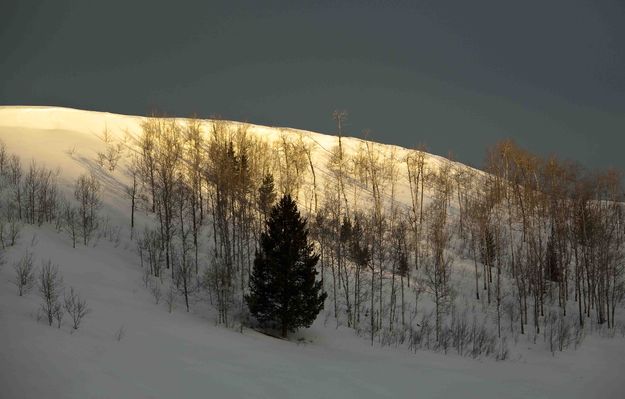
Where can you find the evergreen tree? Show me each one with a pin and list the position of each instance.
(284, 292)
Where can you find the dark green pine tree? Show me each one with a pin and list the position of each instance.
(284, 292)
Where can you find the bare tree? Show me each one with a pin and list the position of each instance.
(415, 165)
(231, 189)
(194, 157)
(4, 158)
(50, 286)
(151, 247)
(40, 194)
(185, 279)
(112, 151)
(24, 274)
(132, 191)
(358, 251)
(87, 193)
(15, 179)
(76, 307)
(438, 261)
(70, 223)
(147, 145)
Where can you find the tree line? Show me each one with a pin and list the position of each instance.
(542, 234)
(543, 237)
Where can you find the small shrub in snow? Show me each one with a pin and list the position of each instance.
(473, 340)
(562, 331)
(50, 285)
(58, 313)
(393, 337)
(120, 333)
(420, 336)
(101, 159)
(502, 351)
(24, 274)
(76, 307)
(9, 233)
(483, 341)
(71, 151)
(113, 155)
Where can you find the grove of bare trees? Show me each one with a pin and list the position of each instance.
(413, 249)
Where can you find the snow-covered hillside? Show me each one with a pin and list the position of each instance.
(130, 347)
(70, 139)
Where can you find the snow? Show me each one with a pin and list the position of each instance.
(185, 355)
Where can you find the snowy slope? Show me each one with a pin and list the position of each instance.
(49, 134)
(163, 355)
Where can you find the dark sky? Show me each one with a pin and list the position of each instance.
(455, 75)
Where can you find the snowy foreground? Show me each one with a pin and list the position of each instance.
(129, 347)
(164, 355)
